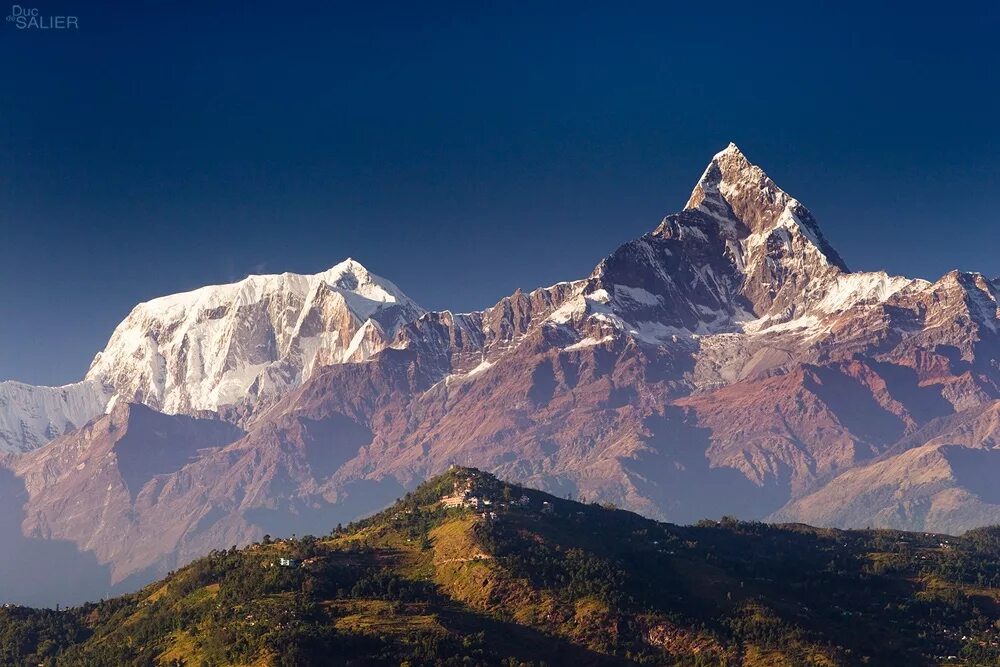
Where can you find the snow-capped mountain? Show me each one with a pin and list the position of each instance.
(727, 362)
(228, 348)
(744, 263)
(230, 345)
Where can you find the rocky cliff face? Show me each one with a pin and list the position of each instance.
(727, 362)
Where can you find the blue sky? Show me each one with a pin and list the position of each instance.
(463, 150)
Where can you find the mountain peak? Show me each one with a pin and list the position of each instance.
(731, 150)
(351, 275)
(747, 202)
(729, 171)
(348, 264)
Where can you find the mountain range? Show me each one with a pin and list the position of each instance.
(726, 362)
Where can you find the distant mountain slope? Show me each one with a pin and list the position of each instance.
(943, 478)
(90, 487)
(471, 570)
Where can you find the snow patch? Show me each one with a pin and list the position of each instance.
(572, 309)
(483, 366)
(850, 289)
(588, 342)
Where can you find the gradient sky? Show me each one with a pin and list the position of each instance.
(463, 150)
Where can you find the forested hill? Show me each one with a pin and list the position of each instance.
(470, 570)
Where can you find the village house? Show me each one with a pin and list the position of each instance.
(464, 497)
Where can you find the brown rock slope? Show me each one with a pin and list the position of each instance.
(944, 478)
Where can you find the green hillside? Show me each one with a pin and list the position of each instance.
(510, 576)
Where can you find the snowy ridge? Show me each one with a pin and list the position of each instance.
(227, 344)
(853, 288)
(363, 291)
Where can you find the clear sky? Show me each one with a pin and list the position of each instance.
(463, 150)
